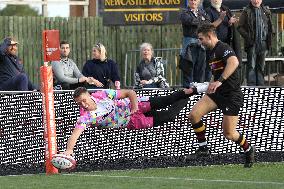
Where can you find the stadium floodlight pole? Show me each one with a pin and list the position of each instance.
(50, 41)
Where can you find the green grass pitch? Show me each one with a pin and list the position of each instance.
(261, 176)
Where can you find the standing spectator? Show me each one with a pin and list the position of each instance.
(223, 93)
(150, 71)
(12, 74)
(103, 71)
(192, 17)
(225, 22)
(67, 76)
(255, 26)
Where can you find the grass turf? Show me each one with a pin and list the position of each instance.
(262, 175)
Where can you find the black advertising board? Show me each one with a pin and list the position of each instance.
(141, 12)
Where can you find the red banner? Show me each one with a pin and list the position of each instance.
(48, 117)
(50, 44)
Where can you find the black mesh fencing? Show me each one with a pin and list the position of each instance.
(22, 143)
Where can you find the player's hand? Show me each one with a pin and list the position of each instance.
(213, 87)
(134, 109)
(68, 152)
(188, 91)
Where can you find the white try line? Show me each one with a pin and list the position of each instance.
(180, 178)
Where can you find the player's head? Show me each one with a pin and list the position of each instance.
(64, 49)
(83, 98)
(207, 35)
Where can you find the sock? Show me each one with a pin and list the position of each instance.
(199, 130)
(243, 142)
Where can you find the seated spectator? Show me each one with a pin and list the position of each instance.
(150, 71)
(104, 71)
(67, 76)
(12, 74)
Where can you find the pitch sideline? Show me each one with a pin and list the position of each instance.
(180, 178)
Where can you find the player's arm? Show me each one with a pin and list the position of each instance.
(232, 65)
(125, 93)
(72, 140)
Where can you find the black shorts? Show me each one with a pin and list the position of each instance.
(230, 102)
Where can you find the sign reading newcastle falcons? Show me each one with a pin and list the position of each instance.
(133, 12)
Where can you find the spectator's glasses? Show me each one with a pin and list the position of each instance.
(98, 45)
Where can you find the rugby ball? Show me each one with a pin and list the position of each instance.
(61, 161)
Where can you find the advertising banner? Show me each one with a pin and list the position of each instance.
(133, 12)
(50, 43)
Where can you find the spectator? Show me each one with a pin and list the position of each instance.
(67, 76)
(150, 71)
(104, 71)
(12, 74)
(225, 22)
(255, 26)
(192, 17)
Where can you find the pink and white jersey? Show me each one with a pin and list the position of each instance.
(111, 111)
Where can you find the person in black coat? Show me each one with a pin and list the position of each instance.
(225, 22)
(103, 70)
(12, 74)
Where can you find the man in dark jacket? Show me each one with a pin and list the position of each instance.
(255, 26)
(12, 74)
(225, 22)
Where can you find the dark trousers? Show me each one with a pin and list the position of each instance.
(255, 67)
(197, 73)
(20, 82)
(176, 102)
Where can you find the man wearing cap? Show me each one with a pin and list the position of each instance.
(12, 74)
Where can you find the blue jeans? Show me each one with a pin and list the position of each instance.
(198, 54)
(255, 67)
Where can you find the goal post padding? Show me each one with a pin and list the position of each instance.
(22, 142)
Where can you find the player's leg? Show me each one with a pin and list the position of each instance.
(165, 101)
(161, 117)
(201, 108)
(139, 121)
(229, 129)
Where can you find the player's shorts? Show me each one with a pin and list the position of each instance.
(230, 102)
